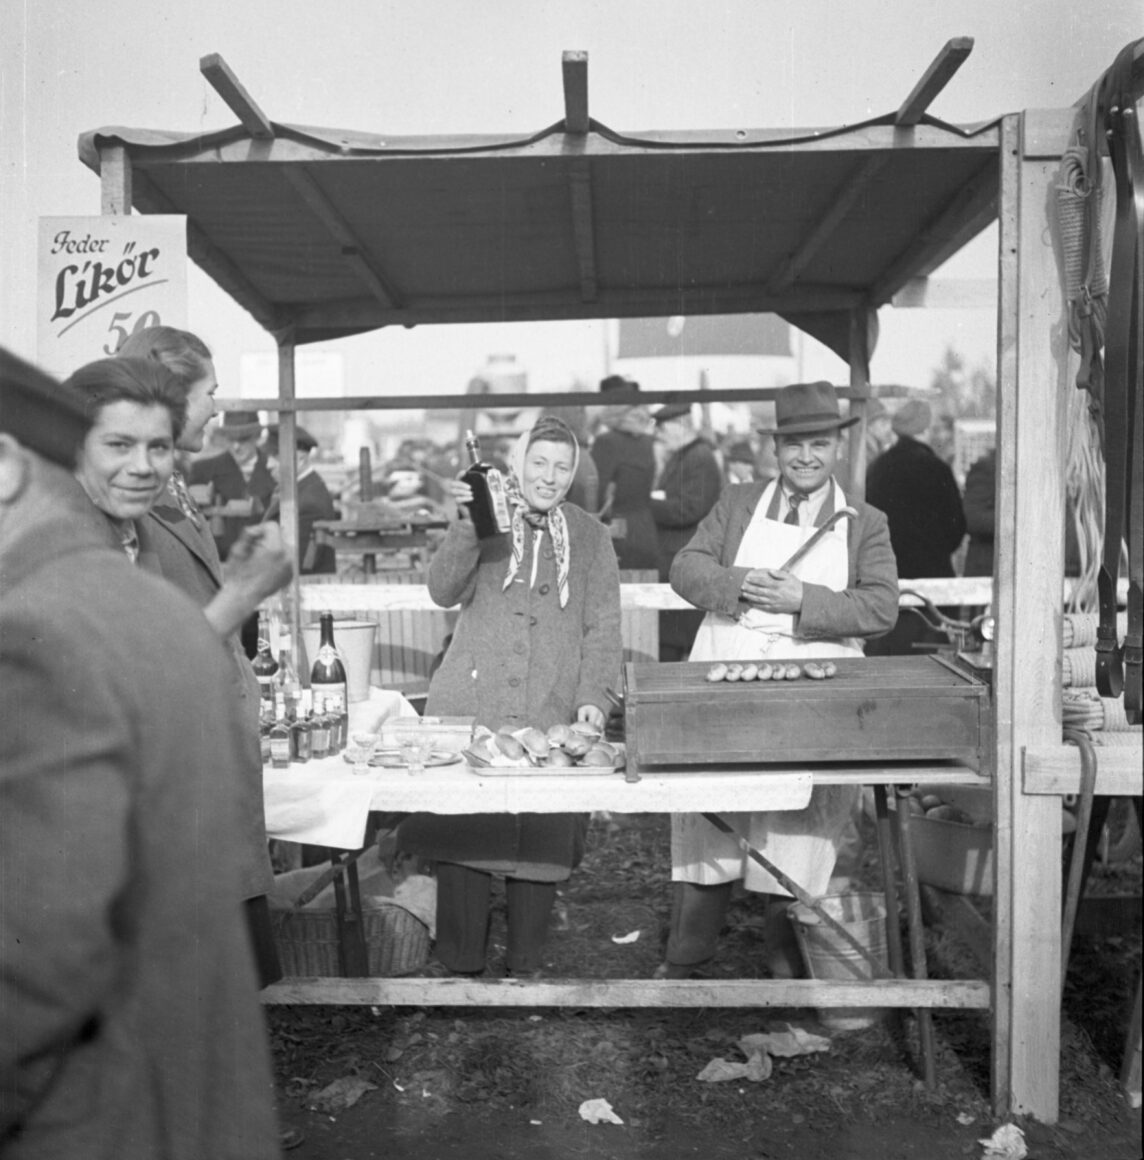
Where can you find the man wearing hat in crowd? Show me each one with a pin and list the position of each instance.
(843, 591)
(314, 501)
(130, 1018)
(922, 502)
(240, 480)
(689, 485)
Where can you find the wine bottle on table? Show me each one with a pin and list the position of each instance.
(265, 666)
(489, 506)
(328, 674)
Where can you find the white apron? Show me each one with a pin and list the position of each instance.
(802, 843)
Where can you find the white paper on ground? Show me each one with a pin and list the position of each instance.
(598, 1111)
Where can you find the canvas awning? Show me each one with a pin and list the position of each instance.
(330, 233)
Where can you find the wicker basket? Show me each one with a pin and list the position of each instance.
(396, 942)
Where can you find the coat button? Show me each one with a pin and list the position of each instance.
(514, 682)
(548, 553)
(543, 590)
(532, 621)
(518, 648)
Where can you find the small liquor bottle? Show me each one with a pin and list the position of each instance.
(287, 687)
(328, 675)
(264, 665)
(489, 507)
(280, 745)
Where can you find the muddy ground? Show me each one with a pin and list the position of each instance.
(488, 1084)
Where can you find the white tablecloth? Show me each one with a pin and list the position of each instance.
(324, 803)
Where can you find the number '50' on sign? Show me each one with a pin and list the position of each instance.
(119, 324)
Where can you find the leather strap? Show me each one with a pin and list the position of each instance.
(1118, 670)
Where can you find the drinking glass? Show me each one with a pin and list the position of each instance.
(360, 750)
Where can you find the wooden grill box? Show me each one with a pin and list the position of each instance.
(921, 708)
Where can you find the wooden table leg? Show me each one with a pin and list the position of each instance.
(889, 887)
(917, 935)
(351, 922)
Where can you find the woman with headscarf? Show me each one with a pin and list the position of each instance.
(537, 644)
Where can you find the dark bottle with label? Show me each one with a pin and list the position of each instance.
(489, 505)
(264, 665)
(328, 674)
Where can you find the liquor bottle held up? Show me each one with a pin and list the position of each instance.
(489, 506)
(328, 674)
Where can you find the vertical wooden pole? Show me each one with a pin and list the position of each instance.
(1032, 397)
(288, 488)
(114, 180)
(861, 319)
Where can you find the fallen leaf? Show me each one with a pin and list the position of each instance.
(965, 1118)
(341, 1094)
(757, 1068)
(598, 1111)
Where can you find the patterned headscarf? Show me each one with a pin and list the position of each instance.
(549, 429)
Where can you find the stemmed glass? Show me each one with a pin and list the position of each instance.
(416, 749)
(360, 750)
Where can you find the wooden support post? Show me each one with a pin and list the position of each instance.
(115, 180)
(575, 67)
(288, 489)
(1032, 394)
(240, 102)
(934, 79)
(862, 324)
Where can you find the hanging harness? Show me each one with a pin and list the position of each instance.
(1112, 314)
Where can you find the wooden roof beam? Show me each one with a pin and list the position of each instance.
(204, 252)
(962, 219)
(583, 228)
(934, 79)
(353, 252)
(847, 193)
(240, 102)
(575, 66)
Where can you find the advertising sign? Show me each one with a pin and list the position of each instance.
(103, 278)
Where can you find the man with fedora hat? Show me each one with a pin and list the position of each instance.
(844, 590)
(240, 480)
(689, 485)
(131, 1022)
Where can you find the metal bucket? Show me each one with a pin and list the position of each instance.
(828, 956)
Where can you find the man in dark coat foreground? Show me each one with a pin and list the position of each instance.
(131, 1028)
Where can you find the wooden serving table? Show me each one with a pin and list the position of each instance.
(453, 789)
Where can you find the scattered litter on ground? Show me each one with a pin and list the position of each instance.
(598, 1111)
(757, 1068)
(341, 1094)
(783, 1041)
(1007, 1143)
(622, 940)
(965, 1118)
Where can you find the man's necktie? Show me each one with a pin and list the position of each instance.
(794, 499)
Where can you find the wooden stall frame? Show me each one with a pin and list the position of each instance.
(1032, 766)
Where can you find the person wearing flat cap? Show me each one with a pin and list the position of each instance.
(922, 502)
(688, 487)
(845, 589)
(239, 477)
(131, 1021)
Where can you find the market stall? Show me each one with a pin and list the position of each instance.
(355, 231)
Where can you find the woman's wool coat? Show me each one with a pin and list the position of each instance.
(518, 659)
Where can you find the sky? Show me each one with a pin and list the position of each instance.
(454, 66)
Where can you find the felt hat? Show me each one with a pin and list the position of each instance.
(740, 452)
(618, 383)
(240, 424)
(672, 411)
(913, 417)
(806, 409)
(44, 416)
